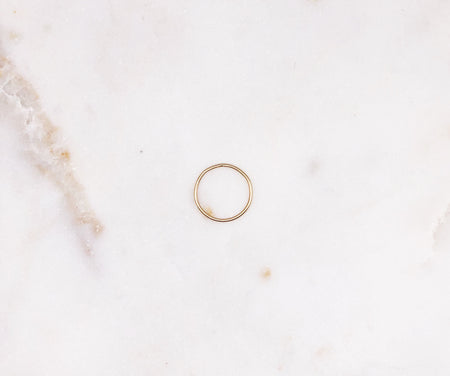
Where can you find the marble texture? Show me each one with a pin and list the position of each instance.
(338, 111)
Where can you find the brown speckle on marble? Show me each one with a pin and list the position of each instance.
(65, 155)
(266, 273)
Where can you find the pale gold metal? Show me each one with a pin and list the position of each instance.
(250, 193)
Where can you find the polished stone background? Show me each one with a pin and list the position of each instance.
(338, 111)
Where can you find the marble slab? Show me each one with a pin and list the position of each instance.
(339, 113)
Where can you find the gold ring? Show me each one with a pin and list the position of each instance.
(250, 193)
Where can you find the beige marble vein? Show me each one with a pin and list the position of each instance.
(47, 151)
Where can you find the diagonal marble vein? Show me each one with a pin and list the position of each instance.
(47, 150)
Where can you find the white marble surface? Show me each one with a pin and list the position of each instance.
(339, 112)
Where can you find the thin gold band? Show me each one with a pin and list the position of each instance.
(250, 193)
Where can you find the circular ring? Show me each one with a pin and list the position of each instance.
(250, 193)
